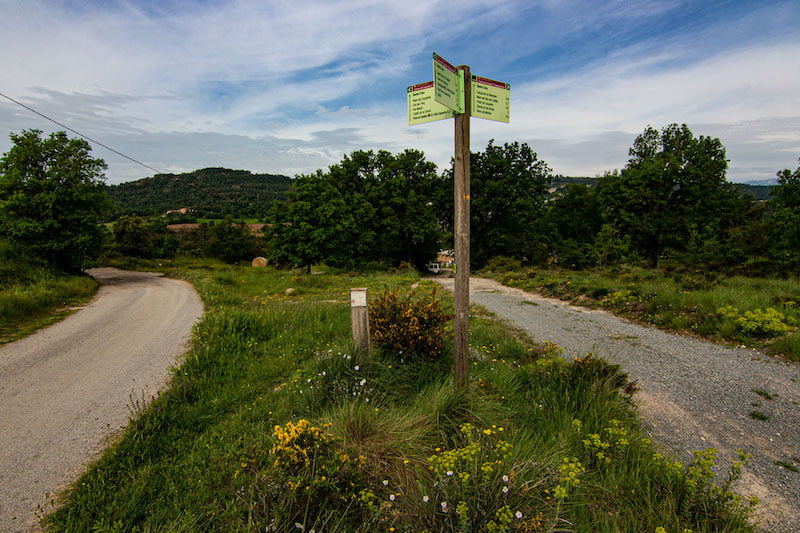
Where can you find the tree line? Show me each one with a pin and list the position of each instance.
(671, 200)
(374, 208)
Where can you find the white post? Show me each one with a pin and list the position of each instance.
(359, 315)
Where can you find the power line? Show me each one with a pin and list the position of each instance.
(80, 134)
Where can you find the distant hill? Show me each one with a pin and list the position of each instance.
(209, 193)
(756, 190)
(759, 192)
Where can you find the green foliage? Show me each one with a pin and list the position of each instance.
(411, 326)
(759, 323)
(370, 207)
(52, 197)
(230, 241)
(210, 193)
(575, 219)
(132, 237)
(502, 264)
(784, 219)
(673, 185)
(508, 188)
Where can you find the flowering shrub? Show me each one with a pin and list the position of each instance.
(621, 298)
(408, 325)
(692, 487)
(759, 323)
(307, 468)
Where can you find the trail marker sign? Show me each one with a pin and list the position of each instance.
(422, 105)
(448, 84)
(491, 99)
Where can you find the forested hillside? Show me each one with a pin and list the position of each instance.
(210, 192)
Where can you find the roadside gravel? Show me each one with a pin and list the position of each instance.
(692, 394)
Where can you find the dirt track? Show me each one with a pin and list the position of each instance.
(66, 389)
(692, 394)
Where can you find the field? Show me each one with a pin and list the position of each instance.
(273, 423)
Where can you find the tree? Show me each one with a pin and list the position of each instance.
(372, 206)
(312, 226)
(52, 197)
(784, 219)
(574, 219)
(230, 241)
(507, 188)
(674, 184)
(132, 237)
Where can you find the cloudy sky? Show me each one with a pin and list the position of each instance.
(290, 86)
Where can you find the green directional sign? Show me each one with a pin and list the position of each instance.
(423, 107)
(448, 84)
(490, 99)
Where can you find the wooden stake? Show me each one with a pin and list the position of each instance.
(359, 316)
(461, 224)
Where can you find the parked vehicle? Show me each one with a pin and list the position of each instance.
(434, 267)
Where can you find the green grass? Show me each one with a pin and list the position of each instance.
(763, 312)
(271, 424)
(34, 295)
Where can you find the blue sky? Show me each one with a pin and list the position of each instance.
(292, 86)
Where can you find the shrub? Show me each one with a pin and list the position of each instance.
(408, 325)
(502, 263)
(760, 323)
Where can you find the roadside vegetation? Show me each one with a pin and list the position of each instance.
(35, 294)
(272, 423)
(725, 306)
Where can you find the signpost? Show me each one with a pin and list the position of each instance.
(452, 97)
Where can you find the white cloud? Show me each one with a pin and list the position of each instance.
(292, 86)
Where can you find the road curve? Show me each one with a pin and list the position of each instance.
(65, 390)
(692, 394)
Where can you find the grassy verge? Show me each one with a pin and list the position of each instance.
(758, 312)
(33, 295)
(271, 424)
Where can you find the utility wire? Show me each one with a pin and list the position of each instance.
(80, 134)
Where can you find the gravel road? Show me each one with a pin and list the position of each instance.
(692, 394)
(67, 389)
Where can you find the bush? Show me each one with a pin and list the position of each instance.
(408, 325)
(760, 323)
(502, 263)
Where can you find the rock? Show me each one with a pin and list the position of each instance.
(259, 262)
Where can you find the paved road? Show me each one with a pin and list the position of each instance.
(692, 394)
(65, 390)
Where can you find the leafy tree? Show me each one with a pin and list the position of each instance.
(574, 217)
(405, 214)
(674, 184)
(372, 206)
(784, 219)
(52, 197)
(312, 226)
(132, 237)
(230, 241)
(507, 188)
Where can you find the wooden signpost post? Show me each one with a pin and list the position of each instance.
(455, 92)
